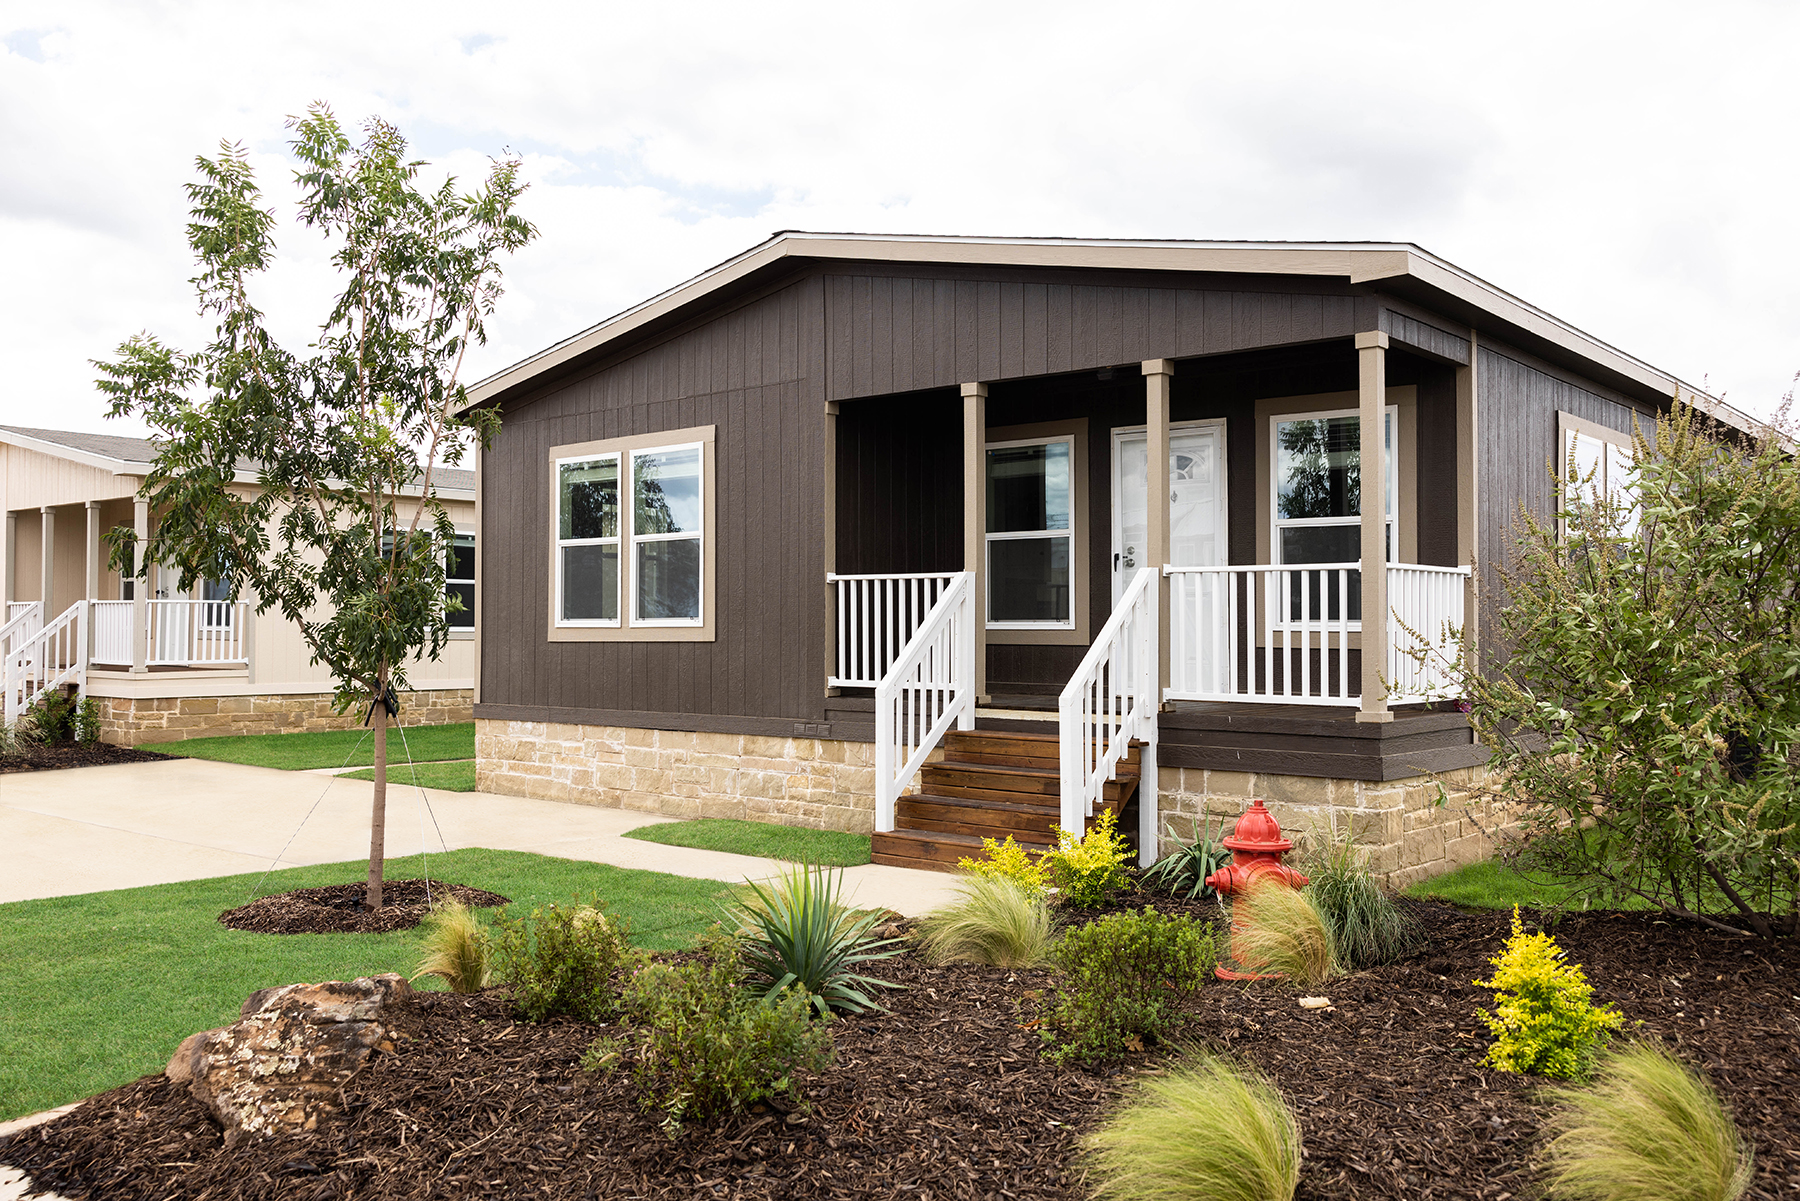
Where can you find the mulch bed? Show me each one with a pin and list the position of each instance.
(33, 757)
(949, 1097)
(339, 908)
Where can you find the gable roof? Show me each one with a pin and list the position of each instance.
(133, 456)
(1401, 266)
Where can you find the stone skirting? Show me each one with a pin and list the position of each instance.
(1410, 829)
(137, 721)
(824, 783)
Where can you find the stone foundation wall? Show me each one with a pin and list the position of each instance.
(138, 721)
(1409, 834)
(824, 783)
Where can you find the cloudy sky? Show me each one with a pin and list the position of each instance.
(1629, 167)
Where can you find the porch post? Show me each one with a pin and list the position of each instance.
(140, 605)
(1468, 492)
(91, 589)
(975, 520)
(9, 569)
(828, 533)
(1371, 355)
(1157, 376)
(47, 561)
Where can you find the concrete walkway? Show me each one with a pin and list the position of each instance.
(88, 829)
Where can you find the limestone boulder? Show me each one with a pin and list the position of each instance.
(281, 1067)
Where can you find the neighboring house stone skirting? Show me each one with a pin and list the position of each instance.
(136, 721)
(823, 783)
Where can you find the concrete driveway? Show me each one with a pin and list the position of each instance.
(94, 828)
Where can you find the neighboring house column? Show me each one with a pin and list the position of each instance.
(1468, 491)
(1371, 356)
(140, 606)
(975, 520)
(1158, 374)
(47, 562)
(9, 567)
(91, 587)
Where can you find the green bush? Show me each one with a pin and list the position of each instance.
(796, 935)
(561, 960)
(1008, 861)
(997, 922)
(1543, 1022)
(700, 1044)
(1275, 929)
(1089, 870)
(1204, 1131)
(456, 948)
(1127, 976)
(55, 718)
(1183, 871)
(1648, 1130)
(1367, 927)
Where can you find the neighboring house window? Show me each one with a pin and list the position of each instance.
(215, 604)
(632, 556)
(459, 580)
(1317, 480)
(1604, 461)
(1030, 534)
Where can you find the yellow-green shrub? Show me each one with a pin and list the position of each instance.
(1089, 869)
(1543, 1021)
(1008, 861)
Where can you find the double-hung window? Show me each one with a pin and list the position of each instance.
(632, 554)
(1030, 534)
(1318, 486)
(1604, 464)
(459, 580)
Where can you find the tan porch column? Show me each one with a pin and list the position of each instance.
(828, 531)
(1468, 490)
(47, 563)
(1157, 376)
(975, 520)
(9, 564)
(91, 586)
(140, 606)
(1371, 356)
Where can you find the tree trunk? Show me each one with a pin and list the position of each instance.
(378, 817)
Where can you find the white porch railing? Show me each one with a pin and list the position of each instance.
(930, 684)
(196, 632)
(877, 616)
(17, 609)
(1109, 701)
(23, 619)
(48, 658)
(112, 631)
(1283, 634)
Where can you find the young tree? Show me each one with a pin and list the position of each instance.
(344, 534)
(1642, 701)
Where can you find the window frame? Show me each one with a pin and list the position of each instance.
(1613, 443)
(629, 627)
(462, 532)
(989, 537)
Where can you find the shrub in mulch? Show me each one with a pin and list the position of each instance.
(951, 1096)
(31, 756)
(340, 908)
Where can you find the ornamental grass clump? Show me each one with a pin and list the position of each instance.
(797, 935)
(1126, 978)
(1008, 861)
(1368, 928)
(562, 959)
(1089, 870)
(1204, 1131)
(1543, 1021)
(1277, 930)
(456, 948)
(996, 922)
(1649, 1129)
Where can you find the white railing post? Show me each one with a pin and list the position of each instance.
(965, 658)
(929, 686)
(1149, 817)
(1112, 699)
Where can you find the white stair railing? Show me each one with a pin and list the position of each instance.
(112, 631)
(877, 615)
(1427, 605)
(196, 632)
(930, 685)
(1112, 699)
(51, 657)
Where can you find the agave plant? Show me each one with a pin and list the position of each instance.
(1183, 871)
(797, 935)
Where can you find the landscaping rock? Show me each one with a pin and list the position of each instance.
(282, 1066)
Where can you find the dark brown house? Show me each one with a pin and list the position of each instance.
(854, 531)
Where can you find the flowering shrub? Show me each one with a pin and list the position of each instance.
(1008, 861)
(1543, 1022)
(1088, 870)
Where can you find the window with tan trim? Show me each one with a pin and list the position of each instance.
(632, 524)
(1604, 460)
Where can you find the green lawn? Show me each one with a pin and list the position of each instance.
(98, 989)
(329, 748)
(456, 776)
(1493, 884)
(831, 848)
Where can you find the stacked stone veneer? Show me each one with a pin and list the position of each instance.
(824, 783)
(136, 721)
(1411, 830)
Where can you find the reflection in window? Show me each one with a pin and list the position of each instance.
(666, 534)
(1318, 509)
(587, 550)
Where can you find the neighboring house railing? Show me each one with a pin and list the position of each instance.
(23, 619)
(1284, 634)
(930, 685)
(877, 616)
(49, 657)
(1110, 701)
(112, 631)
(18, 609)
(196, 632)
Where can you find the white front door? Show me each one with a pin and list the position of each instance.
(1196, 499)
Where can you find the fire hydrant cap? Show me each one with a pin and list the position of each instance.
(1258, 832)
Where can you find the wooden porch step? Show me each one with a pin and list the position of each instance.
(1000, 778)
(980, 817)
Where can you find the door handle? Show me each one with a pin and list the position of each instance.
(1115, 560)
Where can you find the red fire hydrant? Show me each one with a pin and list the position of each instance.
(1256, 847)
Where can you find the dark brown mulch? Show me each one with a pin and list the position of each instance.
(949, 1096)
(340, 908)
(35, 757)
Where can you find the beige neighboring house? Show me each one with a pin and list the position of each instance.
(166, 664)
